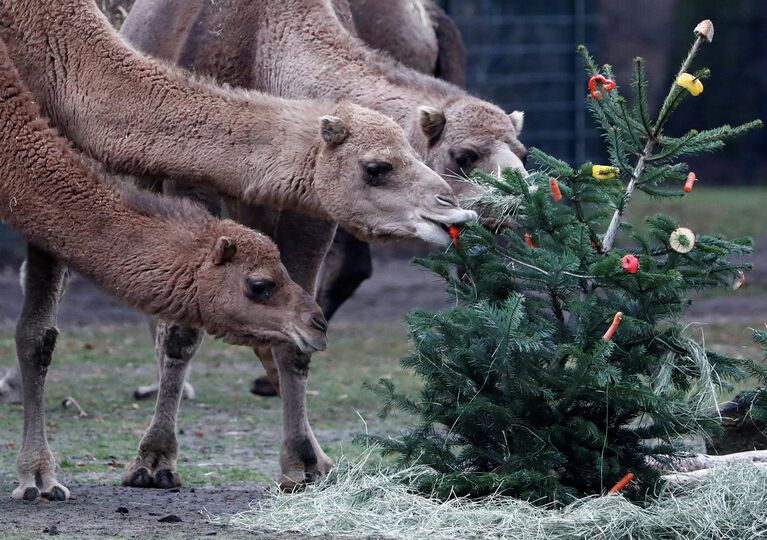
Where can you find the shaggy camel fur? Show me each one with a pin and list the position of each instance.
(167, 258)
(299, 48)
(332, 161)
(417, 33)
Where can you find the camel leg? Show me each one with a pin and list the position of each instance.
(36, 335)
(301, 457)
(212, 203)
(347, 265)
(303, 243)
(155, 465)
(269, 384)
(149, 391)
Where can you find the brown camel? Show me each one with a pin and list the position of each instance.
(299, 49)
(136, 115)
(167, 258)
(417, 33)
(420, 35)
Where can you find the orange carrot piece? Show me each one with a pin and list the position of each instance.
(556, 194)
(453, 232)
(691, 179)
(613, 327)
(622, 483)
(529, 240)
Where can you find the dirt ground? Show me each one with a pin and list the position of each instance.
(109, 511)
(223, 469)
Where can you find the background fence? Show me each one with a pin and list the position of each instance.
(521, 55)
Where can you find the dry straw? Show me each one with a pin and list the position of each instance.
(364, 501)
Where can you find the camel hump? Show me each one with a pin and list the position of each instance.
(451, 58)
(159, 206)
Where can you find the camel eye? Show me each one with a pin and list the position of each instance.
(258, 289)
(465, 159)
(375, 171)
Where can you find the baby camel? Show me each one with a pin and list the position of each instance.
(336, 162)
(168, 259)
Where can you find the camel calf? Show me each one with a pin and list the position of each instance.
(167, 258)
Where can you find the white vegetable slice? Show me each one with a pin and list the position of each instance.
(682, 240)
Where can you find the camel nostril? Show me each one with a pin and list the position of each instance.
(444, 201)
(320, 324)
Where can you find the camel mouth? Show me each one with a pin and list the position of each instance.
(266, 338)
(435, 229)
(307, 342)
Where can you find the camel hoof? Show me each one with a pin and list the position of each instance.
(290, 486)
(150, 391)
(188, 392)
(145, 392)
(56, 493)
(262, 386)
(29, 494)
(138, 478)
(167, 479)
(10, 389)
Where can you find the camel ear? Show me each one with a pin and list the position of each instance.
(517, 120)
(432, 122)
(333, 130)
(224, 250)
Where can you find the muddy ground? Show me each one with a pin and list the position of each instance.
(100, 508)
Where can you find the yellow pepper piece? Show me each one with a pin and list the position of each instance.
(604, 172)
(690, 83)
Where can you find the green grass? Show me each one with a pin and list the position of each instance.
(228, 436)
(732, 212)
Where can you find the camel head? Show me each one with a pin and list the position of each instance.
(246, 296)
(369, 180)
(469, 134)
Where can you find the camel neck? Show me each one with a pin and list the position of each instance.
(139, 116)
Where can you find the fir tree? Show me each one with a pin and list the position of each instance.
(529, 388)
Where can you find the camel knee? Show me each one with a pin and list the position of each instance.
(35, 344)
(296, 364)
(179, 343)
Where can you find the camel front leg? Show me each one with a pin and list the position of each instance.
(36, 335)
(269, 384)
(150, 390)
(301, 457)
(155, 465)
(303, 243)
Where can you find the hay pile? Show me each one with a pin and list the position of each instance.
(360, 501)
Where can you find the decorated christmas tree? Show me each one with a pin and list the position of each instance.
(564, 366)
